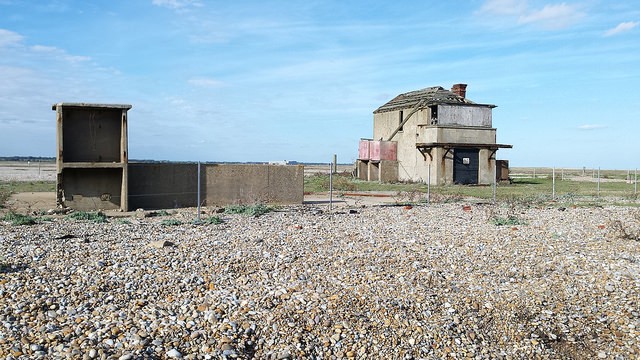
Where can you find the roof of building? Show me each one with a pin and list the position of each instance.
(434, 95)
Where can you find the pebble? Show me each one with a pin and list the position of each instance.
(433, 282)
(174, 354)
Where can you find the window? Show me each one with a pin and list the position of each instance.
(434, 114)
(400, 121)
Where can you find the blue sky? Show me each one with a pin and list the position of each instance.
(299, 80)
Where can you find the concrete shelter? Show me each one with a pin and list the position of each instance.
(442, 137)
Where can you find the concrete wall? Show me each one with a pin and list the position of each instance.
(464, 115)
(248, 184)
(410, 160)
(91, 134)
(460, 135)
(163, 186)
(91, 188)
(172, 185)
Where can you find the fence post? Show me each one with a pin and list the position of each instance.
(331, 186)
(635, 182)
(598, 181)
(198, 191)
(553, 183)
(495, 182)
(429, 185)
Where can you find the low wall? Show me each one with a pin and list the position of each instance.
(247, 184)
(163, 186)
(175, 185)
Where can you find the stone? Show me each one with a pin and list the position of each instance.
(174, 354)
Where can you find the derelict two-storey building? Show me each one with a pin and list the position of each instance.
(431, 135)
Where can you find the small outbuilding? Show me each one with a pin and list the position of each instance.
(437, 136)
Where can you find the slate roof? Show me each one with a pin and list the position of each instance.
(434, 95)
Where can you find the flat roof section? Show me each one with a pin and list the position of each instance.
(90, 105)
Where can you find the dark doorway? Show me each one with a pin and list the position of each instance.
(465, 166)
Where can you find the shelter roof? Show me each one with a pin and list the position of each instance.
(434, 95)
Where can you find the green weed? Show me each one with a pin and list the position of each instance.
(509, 220)
(249, 210)
(171, 222)
(97, 217)
(213, 220)
(19, 219)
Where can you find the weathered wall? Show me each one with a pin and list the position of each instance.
(247, 184)
(460, 135)
(410, 159)
(91, 188)
(91, 134)
(163, 186)
(171, 185)
(464, 115)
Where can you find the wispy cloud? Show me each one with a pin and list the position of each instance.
(177, 4)
(8, 37)
(550, 16)
(622, 27)
(591, 127)
(59, 53)
(504, 7)
(553, 16)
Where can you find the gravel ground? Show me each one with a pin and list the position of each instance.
(428, 282)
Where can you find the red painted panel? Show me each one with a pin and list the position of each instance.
(363, 150)
(374, 150)
(388, 150)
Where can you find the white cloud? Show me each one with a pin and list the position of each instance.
(59, 53)
(622, 27)
(504, 7)
(591, 127)
(176, 4)
(8, 37)
(553, 16)
(205, 82)
(550, 16)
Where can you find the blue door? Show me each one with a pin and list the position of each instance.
(465, 166)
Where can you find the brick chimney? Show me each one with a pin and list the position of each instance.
(459, 89)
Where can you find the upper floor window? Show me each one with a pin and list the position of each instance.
(400, 119)
(434, 114)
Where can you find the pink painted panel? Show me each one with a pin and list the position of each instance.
(388, 150)
(363, 150)
(374, 150)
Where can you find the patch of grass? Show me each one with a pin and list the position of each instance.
(19, 219)
(97, 217)
(123, 222)
(171, 222)
(249, 210)
(213, 220)
(508, 220)
(27, 186)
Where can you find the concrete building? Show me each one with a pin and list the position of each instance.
(441, 137)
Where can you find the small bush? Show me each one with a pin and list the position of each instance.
(19, 219)
(123, 222)
(171, 222)
(97, 217)
(213, 220)
(253, 210)
(509, 220)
